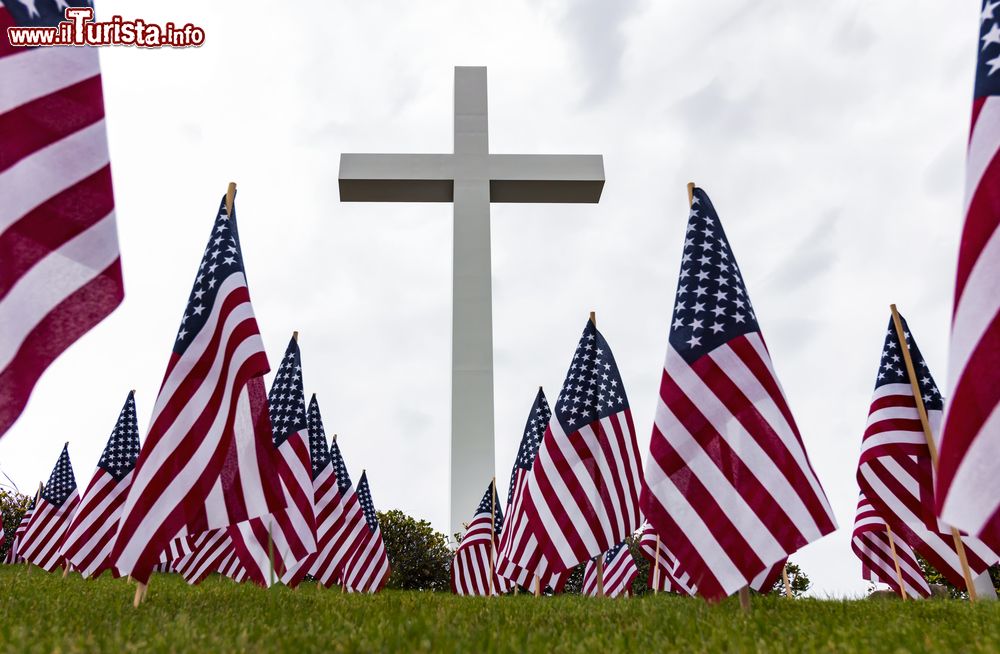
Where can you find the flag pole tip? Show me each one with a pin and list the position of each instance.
(295, 336)
(593, 317)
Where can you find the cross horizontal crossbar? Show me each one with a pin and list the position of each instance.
(540, 178)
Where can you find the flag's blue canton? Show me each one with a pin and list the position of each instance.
(61, 482)
(491, 503)
(339, 468)
(287, 400)
(222, 258)
(610, 555)
(534, 429)
(365, 499)
(712, 306)
(122, 450)
(319, 452)
(988, 65)
(593, 388)
(40, 13)
(892, 367)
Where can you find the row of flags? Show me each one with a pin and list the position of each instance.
(227, 474)
(229, 478)
(727, 491)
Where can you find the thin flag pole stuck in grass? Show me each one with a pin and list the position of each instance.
(895, 560)
(493, 532)
(788, 584)
(925, 423)
(656, 568)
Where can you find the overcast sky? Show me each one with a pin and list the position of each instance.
(830, 137)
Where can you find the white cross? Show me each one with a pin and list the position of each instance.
(471, 178)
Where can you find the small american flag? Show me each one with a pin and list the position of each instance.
(287, 537)
(473, 568)
(729, 487)
(339, 517)
(367, 569)
(519, 558)
(870, 543)
(583, 490)
(92, 531)
(620, 571)
(60, 271)
(664, 574)
(895, 471)
(968, 483)
(43, 538)
(208, 460)
(207, 551)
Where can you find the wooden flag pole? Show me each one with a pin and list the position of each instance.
(895, 560)
(538, 586)
(270, 555)
(600, 557)
(745, 599)
(690, 193)
(788, 583)
(493, 532)
(230, 196)
(656, 570)
(931, 445)
(140, 594)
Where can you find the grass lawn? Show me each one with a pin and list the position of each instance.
(42, 612)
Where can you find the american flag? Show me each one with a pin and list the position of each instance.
(664, 574)
(287, 537)
(968, 483)
(518, 556)
(13, 552)
(870, 543)
(231, 567)
(207, 461)
(729, 487)
(895, 471)
(473, 568)
(207, 551)
(367, 569)
(620, 571)
(43, 538)
(339, 516)
(583, 489)
(92, 531)
(60, 271)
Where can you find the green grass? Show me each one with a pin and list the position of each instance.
(42, 612)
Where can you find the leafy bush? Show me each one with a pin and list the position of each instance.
(419, 556)
(12, 505)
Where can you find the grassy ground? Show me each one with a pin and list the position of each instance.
(40, 612)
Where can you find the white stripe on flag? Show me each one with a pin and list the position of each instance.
(35, 73)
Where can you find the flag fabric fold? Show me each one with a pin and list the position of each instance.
(729, 486)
